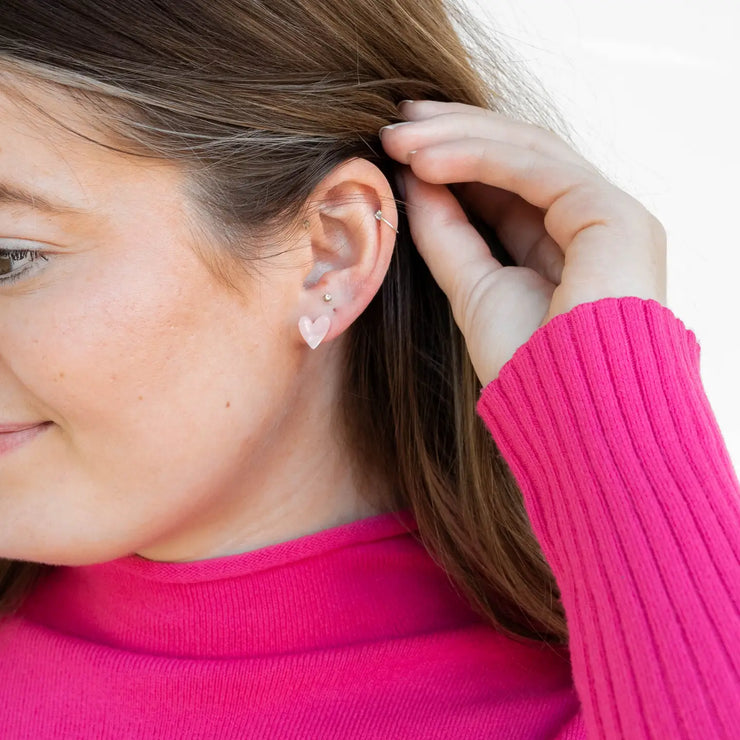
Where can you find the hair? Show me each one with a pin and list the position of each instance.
(258, 100)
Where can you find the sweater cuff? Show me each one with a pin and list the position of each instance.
(595, 396)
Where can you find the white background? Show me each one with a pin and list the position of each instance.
(650, 89)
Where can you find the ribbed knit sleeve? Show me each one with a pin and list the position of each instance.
(603, 420)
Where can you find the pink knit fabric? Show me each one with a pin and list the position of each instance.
(355, 632)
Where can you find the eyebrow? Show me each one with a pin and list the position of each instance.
(11, 194)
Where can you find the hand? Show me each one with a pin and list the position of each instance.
(574, 236)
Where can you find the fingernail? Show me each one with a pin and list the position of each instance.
(400, 184)
(404, 101)
(391, 126)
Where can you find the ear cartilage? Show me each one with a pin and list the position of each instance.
(316, 273)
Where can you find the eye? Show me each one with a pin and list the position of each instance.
(16, 263)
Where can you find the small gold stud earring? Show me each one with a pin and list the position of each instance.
(327, 297)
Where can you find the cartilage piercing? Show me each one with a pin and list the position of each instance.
(379, 216)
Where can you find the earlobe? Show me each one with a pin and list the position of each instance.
(314, 331)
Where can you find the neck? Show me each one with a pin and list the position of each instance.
(297, 480)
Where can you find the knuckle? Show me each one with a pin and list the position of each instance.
(467, 289)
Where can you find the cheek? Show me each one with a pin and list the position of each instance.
(162, 386)
(101, 341)
(145, 357)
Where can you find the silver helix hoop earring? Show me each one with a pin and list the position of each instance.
(379, 216)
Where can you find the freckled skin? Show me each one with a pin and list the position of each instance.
(189, 421)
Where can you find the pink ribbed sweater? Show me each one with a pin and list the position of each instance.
(354, 632)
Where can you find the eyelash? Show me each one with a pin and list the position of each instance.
(18, 254)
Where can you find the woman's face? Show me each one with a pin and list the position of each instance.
(166, 396)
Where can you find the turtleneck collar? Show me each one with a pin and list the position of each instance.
(365, 581)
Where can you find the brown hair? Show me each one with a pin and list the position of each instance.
(257, 97)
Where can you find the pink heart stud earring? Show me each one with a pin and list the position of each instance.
(314, 331)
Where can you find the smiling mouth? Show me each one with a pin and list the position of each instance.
(10, 441)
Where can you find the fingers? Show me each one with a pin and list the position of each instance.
(536, 178)
(417, 109)
(497, 163)
(519, 226)
(400, 138)
(452, 248)
(522, 180)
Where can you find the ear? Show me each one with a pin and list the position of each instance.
(350, 249)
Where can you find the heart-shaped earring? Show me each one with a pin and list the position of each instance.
(314, 331)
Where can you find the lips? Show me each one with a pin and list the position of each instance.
(10, 440)
(11, 428)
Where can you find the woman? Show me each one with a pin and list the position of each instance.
(315, 430)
